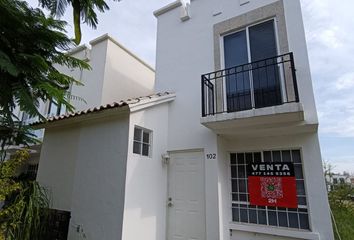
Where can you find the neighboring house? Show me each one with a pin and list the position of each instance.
(337, 179)
(178, 164)
(116, 73)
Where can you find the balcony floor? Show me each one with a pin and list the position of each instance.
(262, 121)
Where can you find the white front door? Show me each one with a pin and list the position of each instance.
(186, 203)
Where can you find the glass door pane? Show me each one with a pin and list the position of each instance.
(265, 73)
(238, 91)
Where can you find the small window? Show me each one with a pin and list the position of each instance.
(142, 141)
(56, 109)
(25, 117)
(31, 172)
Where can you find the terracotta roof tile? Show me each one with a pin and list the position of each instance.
(119, 104)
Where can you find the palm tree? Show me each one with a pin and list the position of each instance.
(82, 10)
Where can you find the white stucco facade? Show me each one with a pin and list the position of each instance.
(116, 74)
(186, 53)
(182, 189)
(109, 191)
(84, 180)
(146, 181)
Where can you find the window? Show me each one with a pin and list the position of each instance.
(243, 212)
(55, 109)
(25, 117)
(58, 225)
(32, 170)
(28, 119)
(142, 141)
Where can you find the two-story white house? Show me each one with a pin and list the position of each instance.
(233, 89)
(249, 58)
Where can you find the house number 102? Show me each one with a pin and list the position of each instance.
(211, 156)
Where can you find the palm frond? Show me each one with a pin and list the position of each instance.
(56, 7)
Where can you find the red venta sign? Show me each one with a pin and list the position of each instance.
(272, 184)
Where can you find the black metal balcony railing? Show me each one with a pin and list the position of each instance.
(263, 83)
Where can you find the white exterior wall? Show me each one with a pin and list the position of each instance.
(98, 191)
(297, 44)
(92, 80)
(185, 50)
(85, 167)
(125, 75)
(57, 165)
(116, 74)
(146, 181)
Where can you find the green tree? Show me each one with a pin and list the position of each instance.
(24, 214)
(31, 46)
(14, 132)
(84, 10)
(342, 206)
(341, 195)
(341, 203)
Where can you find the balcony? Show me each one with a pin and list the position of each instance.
(261, 93)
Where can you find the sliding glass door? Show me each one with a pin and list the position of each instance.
(265, 74)
(238, 88)
(257, 84)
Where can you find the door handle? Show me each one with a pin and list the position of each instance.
(169, 202)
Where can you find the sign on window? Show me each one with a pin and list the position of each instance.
(272, 184)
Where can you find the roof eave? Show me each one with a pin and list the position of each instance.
(168, 8)
(151, 102)
(111, 112)
(103, 110)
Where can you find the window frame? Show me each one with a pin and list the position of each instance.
(141, 141)
(246, 29)
(305, 208)
(274, 10)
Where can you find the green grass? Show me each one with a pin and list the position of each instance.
(344, 217)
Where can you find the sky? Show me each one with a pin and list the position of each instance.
(328, 25)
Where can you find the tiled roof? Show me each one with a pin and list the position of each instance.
(119, 104)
